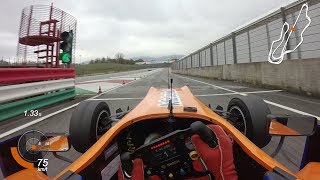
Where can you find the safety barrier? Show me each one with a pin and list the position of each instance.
(15, 108)
(24, 89)
(19, 91)
(252, 42)
(297, 76)
(23, 75)
(242, 55)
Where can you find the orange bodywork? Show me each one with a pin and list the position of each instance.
(277, 128)
(310, 171)
(31, 173)
(149, 108)
(57, 143)
(18, 158)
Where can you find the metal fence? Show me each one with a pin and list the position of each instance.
(253, 42)
(39, 34)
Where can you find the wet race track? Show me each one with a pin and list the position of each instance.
(127, 89)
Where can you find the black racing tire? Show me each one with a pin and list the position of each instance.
(253, 111)
(83, 128)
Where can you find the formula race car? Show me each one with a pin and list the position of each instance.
(159, 131)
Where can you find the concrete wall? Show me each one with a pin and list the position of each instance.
(299, 76)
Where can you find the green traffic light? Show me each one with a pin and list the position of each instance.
(65, 57)
(66, 46)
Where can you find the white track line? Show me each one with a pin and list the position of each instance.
(201, 95)
(290, 109)
(243, 94)
(50, 115)
(117, 99)
(268, 102)
(60, 111)
(225, 94)
(307, 101)
(35, 121)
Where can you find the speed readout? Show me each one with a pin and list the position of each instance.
(164, 152)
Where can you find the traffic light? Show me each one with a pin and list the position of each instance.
(66, 46)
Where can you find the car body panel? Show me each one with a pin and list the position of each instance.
(154, 106)
(277, 128)
(311, 171)
(149, 108)
(19, 160)
(30, 173)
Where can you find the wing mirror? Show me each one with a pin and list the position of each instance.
(52, 143)
(286, 125)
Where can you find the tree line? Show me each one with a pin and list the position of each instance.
(4, 62)
(119, 59)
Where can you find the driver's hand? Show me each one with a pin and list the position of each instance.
(137, 171)
(219, 160)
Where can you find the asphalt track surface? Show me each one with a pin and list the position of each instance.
(215, 92)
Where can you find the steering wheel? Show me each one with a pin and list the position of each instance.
(171, 156)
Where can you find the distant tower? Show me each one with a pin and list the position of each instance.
(46, 36)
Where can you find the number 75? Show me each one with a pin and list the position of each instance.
(44, 162)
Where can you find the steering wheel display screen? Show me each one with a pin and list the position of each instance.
(172, 155)
(167, 155)
(164, 150)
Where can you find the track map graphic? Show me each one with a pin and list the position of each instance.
(285, 34)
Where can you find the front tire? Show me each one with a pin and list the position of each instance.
(89, 121)
(251, 112)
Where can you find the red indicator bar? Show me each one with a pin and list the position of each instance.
(160, 144)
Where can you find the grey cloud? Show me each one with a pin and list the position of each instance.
(141, 27)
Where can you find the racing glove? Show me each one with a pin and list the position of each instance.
(137, 171)
(219, 160)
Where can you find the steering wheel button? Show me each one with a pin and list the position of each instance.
(193, 155)
(170, 175)
(148, 172)
(182, 172)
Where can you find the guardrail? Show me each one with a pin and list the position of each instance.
(252, 42)
(16, 108)
(19, 91)
(23, 75)
(25, 89)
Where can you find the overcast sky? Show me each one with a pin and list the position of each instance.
(140, 27)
